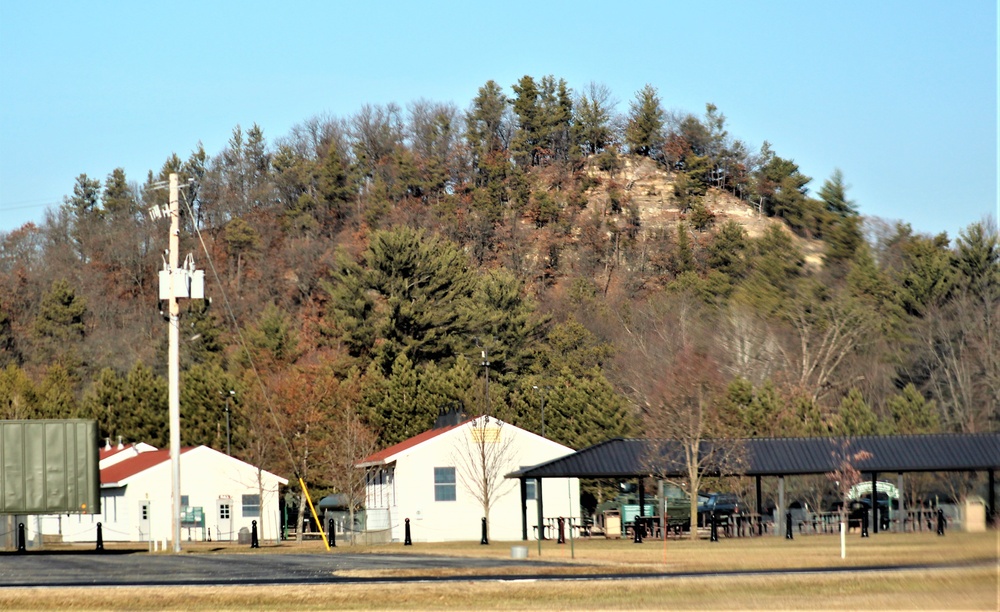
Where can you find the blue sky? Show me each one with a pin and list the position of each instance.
(900, 95)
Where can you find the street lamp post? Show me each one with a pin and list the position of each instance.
(229, 439)
(544, 390)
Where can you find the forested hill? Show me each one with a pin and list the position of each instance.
(592, 257)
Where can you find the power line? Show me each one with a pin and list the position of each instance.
(244, 345)
(20, 206)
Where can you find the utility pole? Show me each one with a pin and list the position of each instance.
(173, 368)
(175, 282)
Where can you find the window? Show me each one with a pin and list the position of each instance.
(223, 512)
(184, 501)
(444, 484)
(530, 490)
(251, 506)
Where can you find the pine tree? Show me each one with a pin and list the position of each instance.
(856, 418)
(912, 413)
(18, 397)
(644, 130)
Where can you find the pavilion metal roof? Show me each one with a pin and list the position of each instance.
(634, 458)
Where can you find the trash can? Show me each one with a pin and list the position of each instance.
(612, 524)
(974, 515)
(243, 536)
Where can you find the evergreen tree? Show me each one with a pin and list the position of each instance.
(56, 394)
(105, 402)
(59, 325)
(728, 250)
(204, 388)
(118, 200)
(833, 193)
(856, 418)
(912, 413)
(143, 417)
(527, 143)
(85, 199)
(9, 353)
(977, 257)
(18, 398)
(644, 130)
(413, 290)
(593, 114)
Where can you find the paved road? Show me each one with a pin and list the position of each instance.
(117, 569)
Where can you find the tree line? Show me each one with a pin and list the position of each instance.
(378, 269)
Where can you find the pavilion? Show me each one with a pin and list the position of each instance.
(632, 458)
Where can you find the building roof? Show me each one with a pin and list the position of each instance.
(118, 472)
(388, 455)
(635, 458)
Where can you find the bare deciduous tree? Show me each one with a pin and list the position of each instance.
(676, 383)
(483, 455)
(825, 334)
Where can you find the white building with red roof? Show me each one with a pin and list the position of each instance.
(436, 478)
(220, 495)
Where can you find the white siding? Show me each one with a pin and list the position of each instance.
(206, 477)
(461, 519)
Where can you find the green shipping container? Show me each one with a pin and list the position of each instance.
(50, 467)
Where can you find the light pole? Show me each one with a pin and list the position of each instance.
(545, 392)
(229, 439)
(486, 364)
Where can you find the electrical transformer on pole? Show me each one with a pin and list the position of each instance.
(176, 282)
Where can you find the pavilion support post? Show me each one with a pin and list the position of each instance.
(778, 523)
(760, 506)
(541, 524)
(875, 518)
(901, 502)
(991, 498)
(524, 507)
(642, 506)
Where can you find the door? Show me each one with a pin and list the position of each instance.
(144, 535)
(224, 526)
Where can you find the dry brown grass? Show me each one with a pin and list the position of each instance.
(970, 589)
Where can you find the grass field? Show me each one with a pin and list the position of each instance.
(973, 585)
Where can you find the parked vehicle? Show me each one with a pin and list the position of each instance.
(676, 506)
(723, 505)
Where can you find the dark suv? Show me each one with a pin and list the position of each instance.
(722, 504)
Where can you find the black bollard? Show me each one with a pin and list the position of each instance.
(739, 526)
(100, 537)
(406, 539)
(714, 533)
(789, 532)
(484, 541)
(331, 533)
(254, 543)
(940, 522)
(20, 537)
(636, 531)
(562, 531)
(864, 525)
